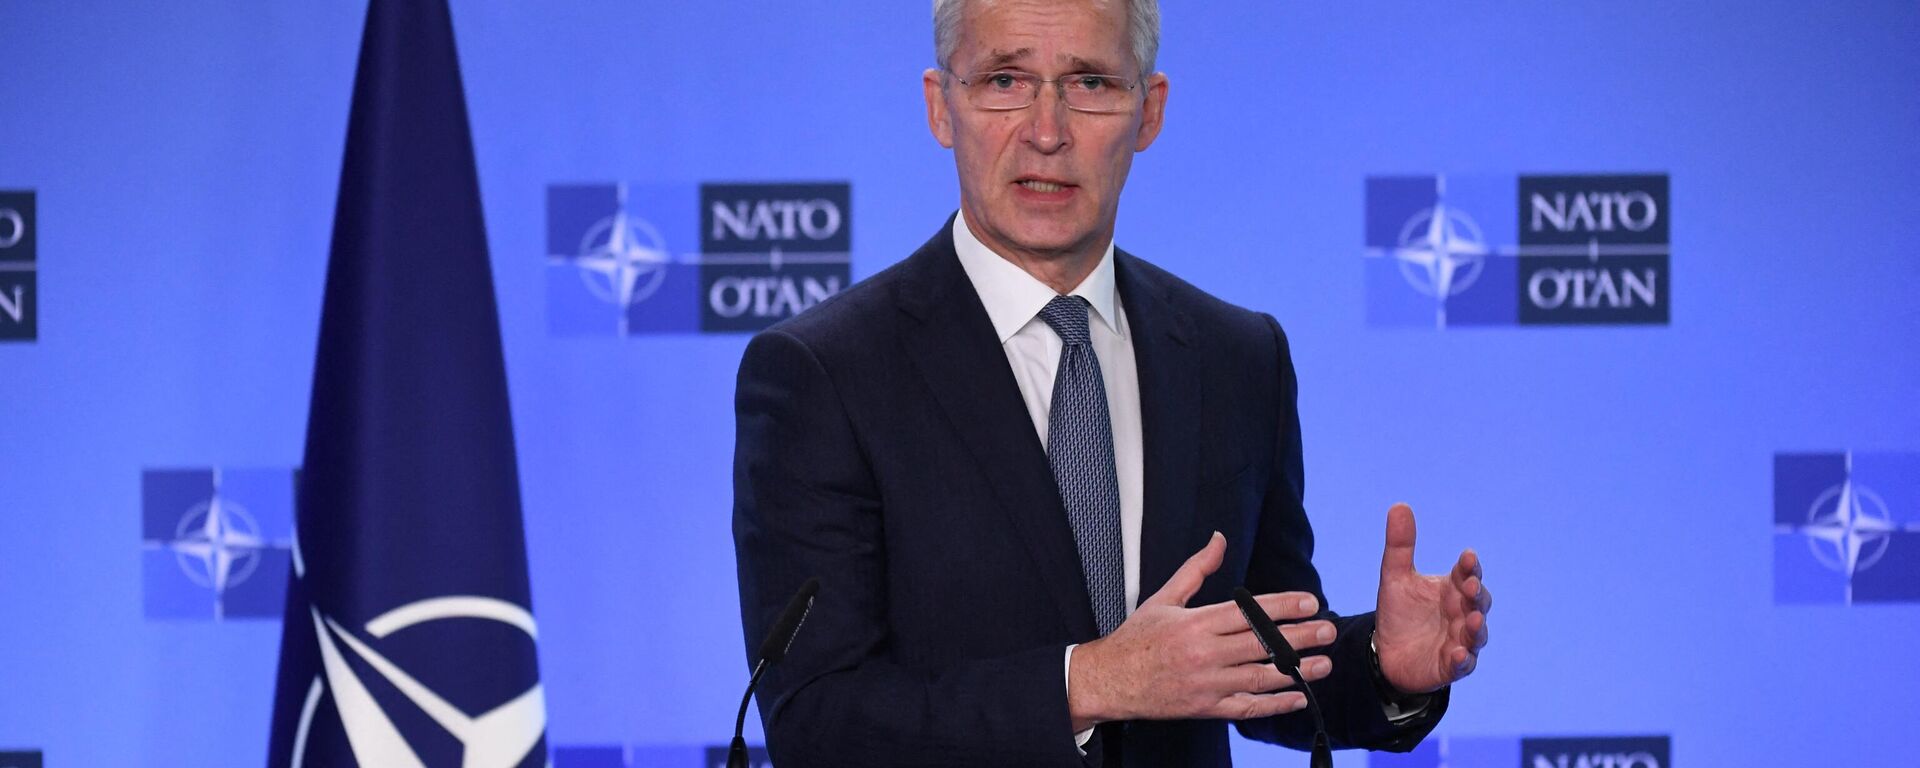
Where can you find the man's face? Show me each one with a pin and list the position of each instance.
(1043, 181)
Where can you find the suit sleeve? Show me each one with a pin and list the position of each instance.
(1282, 560)
(806, 504)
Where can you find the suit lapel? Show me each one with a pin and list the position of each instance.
(957, 353)
(1168, 365)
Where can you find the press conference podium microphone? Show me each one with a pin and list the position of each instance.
(772, 650)
(1287, 660)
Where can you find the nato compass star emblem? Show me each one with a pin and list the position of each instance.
(622, 259)
(1848, 528)
(206, 554)
(611, 268)
(217, 545)
(1441, 252)
(1428, 262)
(1828, 518)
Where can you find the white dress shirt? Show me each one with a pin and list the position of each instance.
(1013, 300)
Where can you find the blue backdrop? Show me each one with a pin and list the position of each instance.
(1619, 481)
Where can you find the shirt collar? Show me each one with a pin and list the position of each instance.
(1013, 297)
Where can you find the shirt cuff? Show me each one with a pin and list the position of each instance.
(1079, 739)
(1405, 711)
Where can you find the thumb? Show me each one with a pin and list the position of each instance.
(1186, 581)
(1398, 557)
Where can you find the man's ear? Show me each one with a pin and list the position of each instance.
(939, 118)
(1154, 113)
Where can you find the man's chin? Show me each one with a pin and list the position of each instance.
(1049, 237)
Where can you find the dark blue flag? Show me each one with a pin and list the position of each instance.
(409, 635)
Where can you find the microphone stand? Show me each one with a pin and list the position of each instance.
(737, 751)
(1287, 660)
(772, 649)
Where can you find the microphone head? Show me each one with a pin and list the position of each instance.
(780, 638)
(1275, 643)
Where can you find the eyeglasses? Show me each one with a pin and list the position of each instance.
(1004, 91)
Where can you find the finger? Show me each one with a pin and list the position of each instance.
(1316, 669)
(1309, 635)
(1262, 677)
(1249, 706)
(1246, 647)
(1476, 632)
(1224, 618)
(1474, 596)
(1468, 566)
(1398, 556)
(1186, 581)
(1259, 677)
(1464, 662)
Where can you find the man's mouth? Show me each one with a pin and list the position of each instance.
(1043, 186)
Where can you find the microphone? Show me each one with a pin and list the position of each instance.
(1287, 660)
(772, 649)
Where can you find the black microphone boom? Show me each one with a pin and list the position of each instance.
(1275, 643)
(1287, 660)
(772, 649)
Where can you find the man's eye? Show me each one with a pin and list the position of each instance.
(1002, 81)
(1091, 83)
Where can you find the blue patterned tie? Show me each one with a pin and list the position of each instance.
(1080, 448)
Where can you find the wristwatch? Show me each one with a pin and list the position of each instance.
(1400, 707)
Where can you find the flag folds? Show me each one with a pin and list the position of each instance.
(409, 637)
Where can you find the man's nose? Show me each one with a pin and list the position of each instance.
(1047, 120)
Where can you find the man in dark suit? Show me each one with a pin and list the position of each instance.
(1016, 458)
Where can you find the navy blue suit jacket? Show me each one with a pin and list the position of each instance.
(883, 447)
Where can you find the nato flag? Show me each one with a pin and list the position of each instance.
(409, 635)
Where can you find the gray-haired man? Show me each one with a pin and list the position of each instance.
(1016, 458)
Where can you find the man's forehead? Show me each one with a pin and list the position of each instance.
(1089, 34)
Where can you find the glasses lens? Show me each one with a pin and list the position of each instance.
(1001, 90)
(1095, 93)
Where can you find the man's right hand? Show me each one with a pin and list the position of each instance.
(1171, 662)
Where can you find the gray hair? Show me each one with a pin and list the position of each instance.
(1143, 27)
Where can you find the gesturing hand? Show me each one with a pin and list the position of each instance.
(1168, 661)
(1428, 629)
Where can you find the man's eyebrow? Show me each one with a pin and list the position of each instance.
(1091, 66)
(1001, 58)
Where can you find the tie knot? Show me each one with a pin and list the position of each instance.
(1067, 315)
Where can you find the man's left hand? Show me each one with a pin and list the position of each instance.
(1428, 629)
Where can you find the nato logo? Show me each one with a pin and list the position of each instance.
(652, 757)
(19, 759)
(216, 542)
(1484, 251)
(1846, 528)
(1610, 752)
(1441, 751)
(19, 304)
(621, 258)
